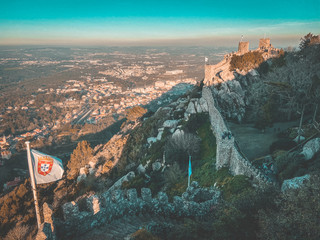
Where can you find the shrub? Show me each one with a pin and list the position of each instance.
(279, 61)
(196, 121)
(236, 185)
(282, 144)
(137, 182)
(246, 61)
(289, 166)
(79, 158)
(296, 216)
(180, 147)
(19, 232)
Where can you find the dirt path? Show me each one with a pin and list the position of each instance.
(253, 142)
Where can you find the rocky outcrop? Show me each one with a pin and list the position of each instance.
(228, 152)
(111, 205)
(110, 154)
(311, 148)
(230, 98)
(196, 105)
(294, 183)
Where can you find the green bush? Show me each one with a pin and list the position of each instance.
(290, 166)
(236, 185)
(137, 182)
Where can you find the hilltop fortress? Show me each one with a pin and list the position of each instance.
(220, 72)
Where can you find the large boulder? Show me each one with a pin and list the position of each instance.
(156, 166)
(311, 148)
(151, 140)
(141, 169)
(170, 123)
(294, 183)
(191, 108)
(231, 99)
(204, 105)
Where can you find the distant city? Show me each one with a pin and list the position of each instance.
(58, 94)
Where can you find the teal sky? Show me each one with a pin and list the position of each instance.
(142, 22)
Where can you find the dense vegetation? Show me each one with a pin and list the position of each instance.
(246, 61)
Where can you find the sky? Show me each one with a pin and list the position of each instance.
(164, 22)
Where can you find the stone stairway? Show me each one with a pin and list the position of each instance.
(121, 228)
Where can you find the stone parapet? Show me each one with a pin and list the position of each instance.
(111, 205)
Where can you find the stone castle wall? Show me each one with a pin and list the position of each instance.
(92, 211)
(209, 73)
(228, 152)
(264, 43)
(243, 47)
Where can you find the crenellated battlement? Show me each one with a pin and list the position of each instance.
(91, 211)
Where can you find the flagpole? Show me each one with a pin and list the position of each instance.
(189, 172)
(33, 185)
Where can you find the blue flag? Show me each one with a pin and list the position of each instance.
(190, 169)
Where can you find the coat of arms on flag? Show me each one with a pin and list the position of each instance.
(45, 164)
(46, 168)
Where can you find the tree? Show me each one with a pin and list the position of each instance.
(183, 145)
(79, 158)
(306, 40)
(19, 232)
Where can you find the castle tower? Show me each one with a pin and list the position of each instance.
(243, 47)
(264, 43)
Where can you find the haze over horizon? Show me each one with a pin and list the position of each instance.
(139, 23)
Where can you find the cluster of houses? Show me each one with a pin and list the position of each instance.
(5, 152)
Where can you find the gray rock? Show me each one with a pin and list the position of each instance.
(117, 196)
(162, 197)
(141, 169)
(178, 133)
(156, 166)
(311, 148)
(198, 106)
(170, 123)
(146, 194)
(132, 195)
(81, 177)
(159, 136)
(191, 109)
(294, 183)
(194, 184)
(203, 104)
(254, 73)
(151, 140)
